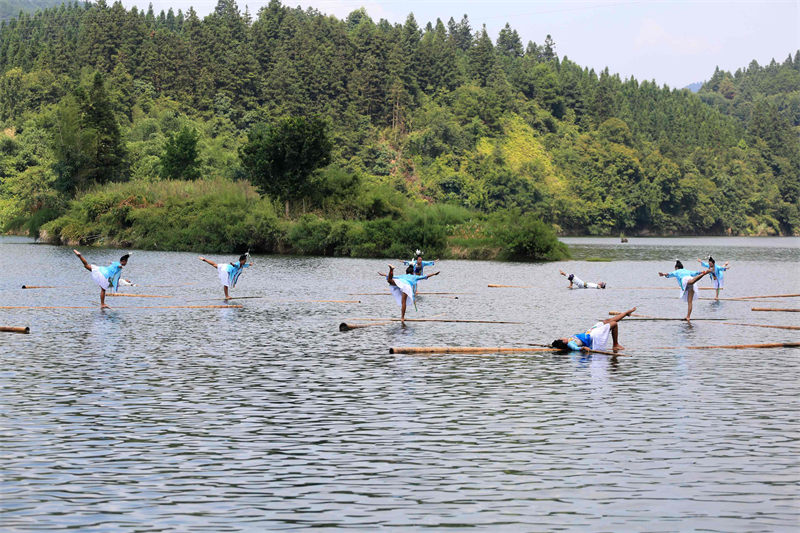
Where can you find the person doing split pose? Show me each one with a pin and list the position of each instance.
(597, 336)
(108, 277)
(403, 288)
(229, 272)
(580, 284)
(717, 272)
(686, 280)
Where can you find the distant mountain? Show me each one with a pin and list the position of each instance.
(10, 9)
(694, 87)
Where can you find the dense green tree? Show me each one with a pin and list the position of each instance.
(280, 157)
(180, 157)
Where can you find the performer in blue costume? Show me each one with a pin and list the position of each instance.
(596, 337)
(229, 272)
(417, 266)
(403, 288)
(108, 277)
(686, 280)
(717, 272)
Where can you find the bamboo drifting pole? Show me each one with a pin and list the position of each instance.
(761, 325)
(775, 309)
(344, 326)
(742, 299)
(735, 346)
(771, 296)
(495, 286)
(648, 317)
(130, 295)
(439, 320)
(389, 293)
(481, 349)
(42, 287)
(15, 329)
(140, 307)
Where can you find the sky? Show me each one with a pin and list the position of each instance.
(674, 42)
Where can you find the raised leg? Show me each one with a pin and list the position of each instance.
(85, 263)
(390, 277)
(616, 318)
(212, 263)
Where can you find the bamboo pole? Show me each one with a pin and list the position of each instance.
(389, 293)
(774, 309)
(46, 307)
(648, 317)
(129, 295)
(771, 296)
(495, 286)
(481, 349)
(140, 307)
(761, 325)
(742, 299)
(15, 329)
(734, 346)
(344, 326)
(42, 287)
(439, 320)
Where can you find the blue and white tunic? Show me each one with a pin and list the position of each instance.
(107, 277)
(717, 275)
(405, 284)
(683, 276)
(229, 273)
(419, 268)
(595, 338)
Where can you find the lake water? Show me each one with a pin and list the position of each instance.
(268, 418)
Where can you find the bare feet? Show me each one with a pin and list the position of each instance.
(77, 253)
(630, 311)
(617, 347)
(104, 306)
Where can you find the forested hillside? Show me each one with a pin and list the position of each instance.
(430, 126)
(11, 8)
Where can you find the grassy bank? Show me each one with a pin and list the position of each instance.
(230, 217)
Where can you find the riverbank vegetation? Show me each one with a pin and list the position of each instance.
(171, 131)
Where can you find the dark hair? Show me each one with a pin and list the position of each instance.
(124, 258)
(711, 260)
(560, 344)
(570, 277)
(678, 265)
(410, 269)
(243, 257)
(602, 284)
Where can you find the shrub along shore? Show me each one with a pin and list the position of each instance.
(231, 217)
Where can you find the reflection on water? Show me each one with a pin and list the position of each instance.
(268, 418)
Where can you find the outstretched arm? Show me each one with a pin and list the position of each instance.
(562, 273)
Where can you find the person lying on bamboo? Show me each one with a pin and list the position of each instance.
(686, 280)
(229, 272)
(580, 284)
(597, 336)
(108, 277)
(717, 272)
(403, 288)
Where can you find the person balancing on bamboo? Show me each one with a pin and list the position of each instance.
(229, 272)
(686, 280)
(403, 288)
(596, 337)
(417, 266)
(108, 277)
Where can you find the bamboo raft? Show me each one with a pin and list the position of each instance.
(139, 307)
(16, 329)
(130, 295)
(775, 309)
(483, 349)
(761, 325)
(438, 320)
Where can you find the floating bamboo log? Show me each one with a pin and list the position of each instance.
(735, 346)
(344, 326)
(742, 299)
(141, 307)
(771, 296)
(495, 286)
(761, 325)
(775, 309)
(480, 349)
(439, 320)
(638, 317)
(129, 295)
(389, 293)
(41, 287)
(15, 329)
